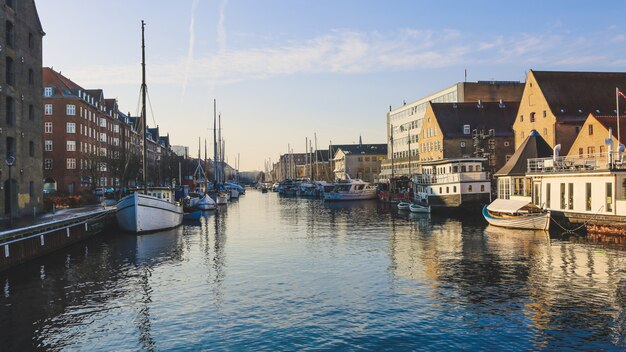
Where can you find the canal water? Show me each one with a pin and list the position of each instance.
(272, 274)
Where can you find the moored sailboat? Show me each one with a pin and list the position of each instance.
(154, 209)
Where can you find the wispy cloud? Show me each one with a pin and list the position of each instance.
(353, 52)
(221, 28)
(192, 43)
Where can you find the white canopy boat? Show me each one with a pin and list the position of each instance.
(516, 214)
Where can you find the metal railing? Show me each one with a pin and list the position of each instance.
(577, 163)
(448, 178)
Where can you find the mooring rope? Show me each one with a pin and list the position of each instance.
(579, 227)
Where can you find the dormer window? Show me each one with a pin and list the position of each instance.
(466, 129)
(47, 92)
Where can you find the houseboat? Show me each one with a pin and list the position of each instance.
(453, 183)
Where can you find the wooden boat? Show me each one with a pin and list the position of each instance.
(516, 214)
(155, 209)
(403, 206)
(416, 208)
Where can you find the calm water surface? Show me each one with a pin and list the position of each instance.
(273, 273)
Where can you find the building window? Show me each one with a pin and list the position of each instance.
(609, 196)
(70, 110)
(10, 146)
(522, 134)
(31, 76)
(544, 113)
(580, 152)
(71, 146)
(588, 196)
(508, 156)
(47, 164)
(10, 111)
(10, 72)
(466, 129)
(469, 188)
(545, 131)
(563, 199)
(9, 34)
(482, 188)
(31, 188)
(103, 122)
(71, 163)
(570, 196)
(532, 117)
(47, 92)
(103, 138)
(601, 149)
(48, 145)
(31, 149)
(31, 112)
(521, 118)
(47, 109)
(71, 127)
(548, 195)
(591, 151)
(590, 130)
(47, 127)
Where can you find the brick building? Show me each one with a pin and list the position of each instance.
(20, 107)
(557, 104)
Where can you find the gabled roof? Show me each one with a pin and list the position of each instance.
(362, 149)
(534, 146)
(611, 122)
(572, 96)
(488, 115)
(62, 84)
(321, 155)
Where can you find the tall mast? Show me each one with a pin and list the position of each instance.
(221, 156)
(317, 170)
(214, 146)
(391, 140)
(143, 108)
(206, 165)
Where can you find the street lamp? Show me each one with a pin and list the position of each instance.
(10, 162)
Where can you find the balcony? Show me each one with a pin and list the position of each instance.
(577, 163)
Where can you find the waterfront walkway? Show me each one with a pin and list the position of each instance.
(60, 214)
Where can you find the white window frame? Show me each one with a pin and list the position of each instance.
(47, 91)
(70, 146)
(71, 164)
(70, 127)
(466, 129)
(47, 109)
(47, 126)
(70, 110)
(48, 145)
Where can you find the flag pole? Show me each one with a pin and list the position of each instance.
(617, 111)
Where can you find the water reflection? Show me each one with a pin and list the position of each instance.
(270, 273)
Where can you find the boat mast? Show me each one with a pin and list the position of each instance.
(317, 171)
(409, 154)
(143, 107)
(214, 147)
(391, 140)
(206, 165)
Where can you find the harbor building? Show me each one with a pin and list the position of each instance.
(464, 130)
(21, 121)
(358, 161)
(407, 120)
(556, 104)
(181, 150)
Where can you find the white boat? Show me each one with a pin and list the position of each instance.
(403, 206)
(154, 209)
(206, 203)
(351, 190)
(222, 197)
(516, 214)
(144, 213)
(416, 208)
(234, 193)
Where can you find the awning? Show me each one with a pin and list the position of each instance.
(507, 205)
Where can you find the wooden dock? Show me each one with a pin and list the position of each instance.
(25, 243)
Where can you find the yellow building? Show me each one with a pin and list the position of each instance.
(556, 104)
(592, 137)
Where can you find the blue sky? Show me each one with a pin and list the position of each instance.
(282, 70)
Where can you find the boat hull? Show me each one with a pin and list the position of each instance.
(140, 213)
(339, 196)
(414, 208)
(222, 198)
(526, 222)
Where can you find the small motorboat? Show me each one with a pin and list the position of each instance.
(404, 206)
(416, 208)
(516, 214)
(192, 215)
